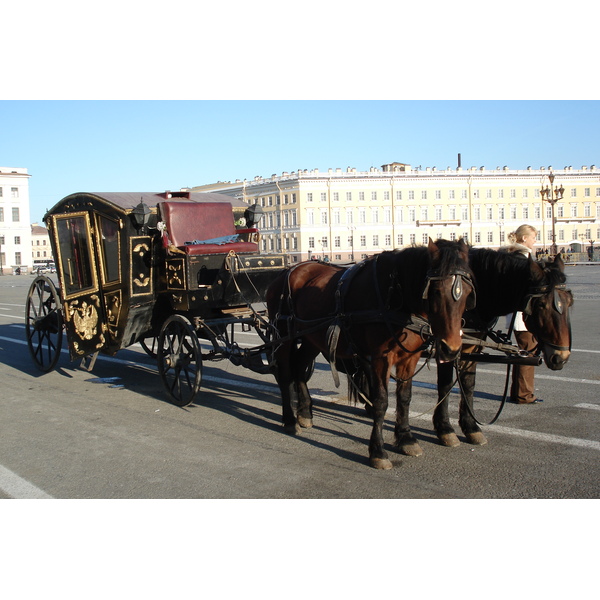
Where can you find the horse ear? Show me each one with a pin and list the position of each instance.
(558, 261)
(433, 249)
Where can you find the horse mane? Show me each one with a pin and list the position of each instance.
(410, 265)
(503, 278)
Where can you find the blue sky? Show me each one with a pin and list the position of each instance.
(70, 146)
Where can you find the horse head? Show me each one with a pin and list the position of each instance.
(449, 291)
(546, 312)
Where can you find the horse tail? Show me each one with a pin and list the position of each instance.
(358, 386)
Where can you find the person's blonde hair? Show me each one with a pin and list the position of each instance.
(519, 235)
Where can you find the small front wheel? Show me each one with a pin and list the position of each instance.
(179, 360)
(43, 323)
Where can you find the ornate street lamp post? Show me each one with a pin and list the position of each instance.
(552, 196)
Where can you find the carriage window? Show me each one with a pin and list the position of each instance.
(75, 256)
(109, 245)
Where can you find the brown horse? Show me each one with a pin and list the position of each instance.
(504, 283)
(370, 316)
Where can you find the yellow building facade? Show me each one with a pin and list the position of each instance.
(347, 215)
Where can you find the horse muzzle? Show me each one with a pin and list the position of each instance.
(555, 359)
(445, 352)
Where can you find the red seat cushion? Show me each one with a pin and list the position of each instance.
(189, 221)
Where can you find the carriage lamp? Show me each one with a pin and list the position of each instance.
(552, 196)
(141, 216)
(253, 215)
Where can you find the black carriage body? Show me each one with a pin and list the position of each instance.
(120, 279)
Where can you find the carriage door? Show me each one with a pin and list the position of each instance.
(84, 314)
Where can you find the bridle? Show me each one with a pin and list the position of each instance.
(535, 294)
(458, 278)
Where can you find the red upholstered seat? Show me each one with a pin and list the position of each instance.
(189, 221)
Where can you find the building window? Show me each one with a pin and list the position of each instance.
(488, 193)
(452, 213)
(489, 211)
(323, 196)
(1, 214)
(560, 210)
(387, 215)
(537, 213)
(525, 193)
(17, 258)
(337, 242)
(400, 239)
(501, 211)
(362, 215)
(425, 238)
(388, 240)
(311, 242)
(336, 196)
(490, 237)
(386, 196)
(14, 193)
(399, 194)
(525, 212)
(309, 197)
(15, 214)
(323, 217)
(464, 213)
(451, 195)
(337, 218)
(438, 213)
(348, 196)
(587, 210)
(500, 194)
(17, 240)
(573, 192)
(477, 212)
(375, 241)
(310, 217)
(513, 193)
(412, 214)
(375, 215)
(361, 196)
(423, 213)
(412, 238)
(411, 194)
(463, 194)
(349, 216)
(438, 194)
(573, 210)
(477, 237)
(476, 194)
(363, 241)
(374, 196)
(324, 242)
(423, 194)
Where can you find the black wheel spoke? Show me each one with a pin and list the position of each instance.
(43, 323)
(179, 360)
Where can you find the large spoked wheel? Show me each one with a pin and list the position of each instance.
(179, 360)
(44, 323)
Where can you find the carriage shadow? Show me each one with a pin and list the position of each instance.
(335, 423)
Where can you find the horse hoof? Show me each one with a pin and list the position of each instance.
(411, 449)
(450, 440)
(381, 463)
(304, 422)
(477, 438)
(292, 429)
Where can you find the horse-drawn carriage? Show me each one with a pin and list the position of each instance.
(160, 269)
(168, 270)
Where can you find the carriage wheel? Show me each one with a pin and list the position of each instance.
(179, 360)
(150, 346)
(43, 323)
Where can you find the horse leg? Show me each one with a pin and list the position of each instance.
(378, 457)
(303, 369)
(403, 437)
(441, 420)
(284, 358)
(466, 421)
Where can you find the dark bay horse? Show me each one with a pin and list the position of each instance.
(372, 315)
(504, 283)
